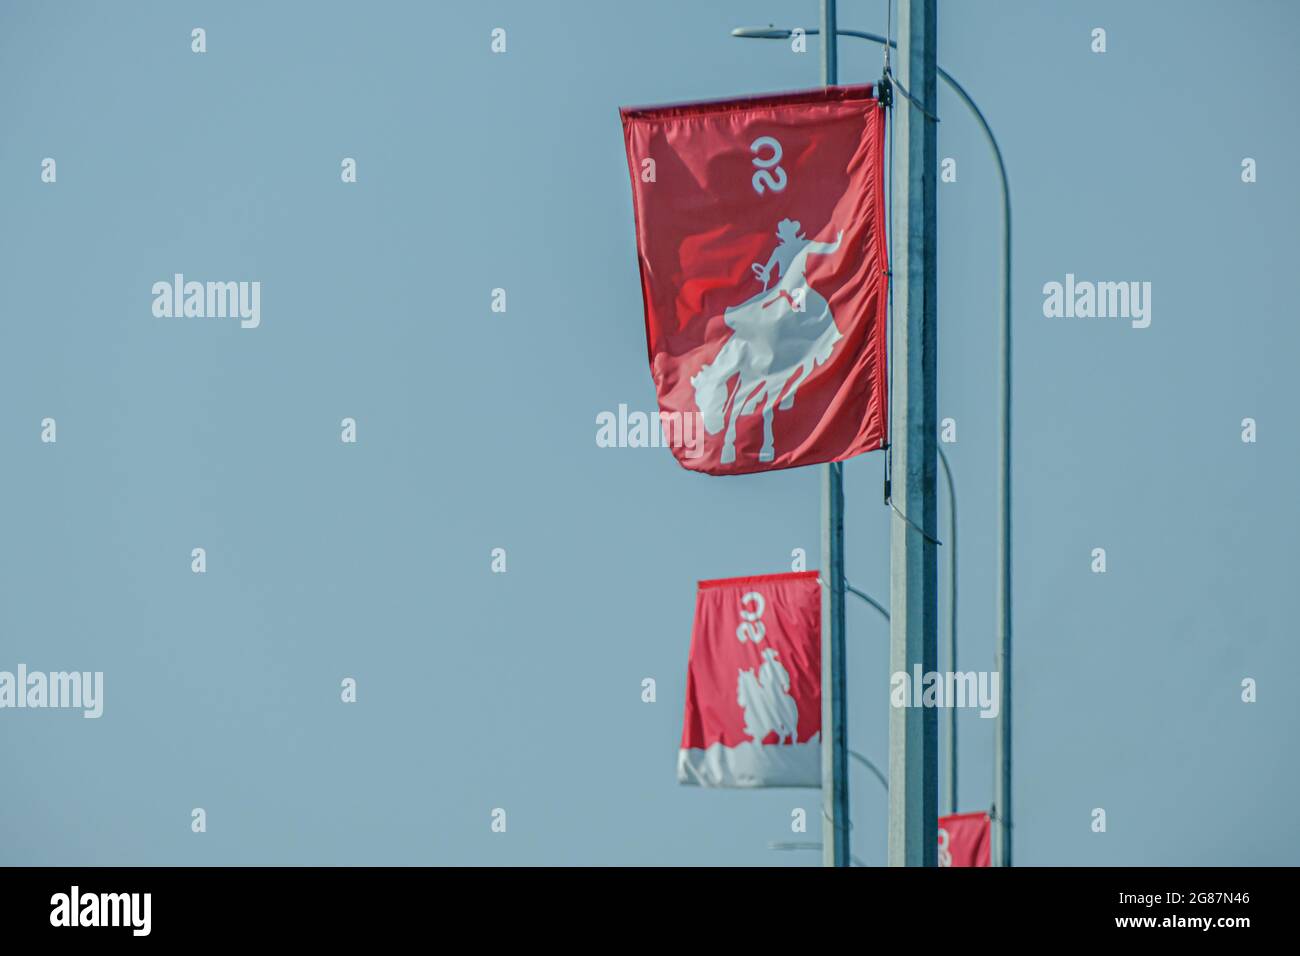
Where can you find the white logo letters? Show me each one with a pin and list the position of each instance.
(764, 178)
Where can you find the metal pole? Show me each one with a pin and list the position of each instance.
(1002, 752)
(830, 49)
(1001, 849)
(914, 609)
(835, 743)
(835, 777)
(950, 752)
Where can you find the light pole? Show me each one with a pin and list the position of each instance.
(951, 754)
(913, 571)
(1002, 757)
(950, 784)
(835, 714)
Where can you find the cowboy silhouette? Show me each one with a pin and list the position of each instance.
(779, 336)
(792, 243)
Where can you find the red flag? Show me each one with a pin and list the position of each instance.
(761, 239)
(753, 685)
(965, 839)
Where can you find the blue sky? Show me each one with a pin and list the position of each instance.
(476, 430)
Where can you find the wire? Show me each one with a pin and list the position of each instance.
(925, 534)
(889, 254)
(908, 96)
(889, 31)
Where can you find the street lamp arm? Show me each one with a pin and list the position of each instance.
(857, 861)
(868, 598)
(884, 782)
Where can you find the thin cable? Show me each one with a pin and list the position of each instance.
(889, 256)
(908, 96)
(889, 30)
(925, 534)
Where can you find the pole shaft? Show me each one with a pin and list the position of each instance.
(835, 742)
(830, 45)
(950, 752)
(1002, 750)
(914, 608)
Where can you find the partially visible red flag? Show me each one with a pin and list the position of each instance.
(965, 839)
(753, 684)
(761, 240)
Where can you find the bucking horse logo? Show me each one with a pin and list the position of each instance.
(779, 335)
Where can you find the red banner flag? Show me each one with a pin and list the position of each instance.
(761, 239)
(965, 839)
(753, 685)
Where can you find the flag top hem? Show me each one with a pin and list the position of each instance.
(756, 579)
(864, 93)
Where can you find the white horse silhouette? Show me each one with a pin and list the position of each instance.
(767, 701)
(778, 337)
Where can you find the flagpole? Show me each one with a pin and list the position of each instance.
(835, 743)
(913, 604)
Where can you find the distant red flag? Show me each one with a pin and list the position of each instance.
(753, 685)
(965, 839)
(761, 240)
